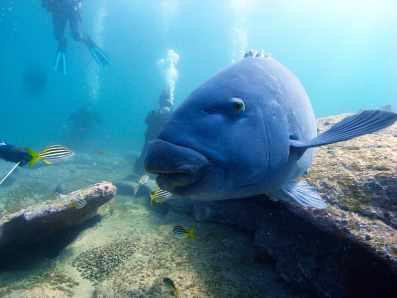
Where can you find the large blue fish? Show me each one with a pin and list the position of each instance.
(248, 130)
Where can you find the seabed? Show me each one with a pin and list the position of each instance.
(129, 248)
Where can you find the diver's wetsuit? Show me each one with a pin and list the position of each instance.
(64, 11)
(14, 154)
(155, 122)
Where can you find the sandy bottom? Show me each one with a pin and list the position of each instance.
(131, 249)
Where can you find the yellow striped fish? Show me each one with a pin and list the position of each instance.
(181, 232)
(171, 285)
(50, 154)
(159, 196)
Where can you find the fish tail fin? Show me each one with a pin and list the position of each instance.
(351, 127)
(35, 157)
(153, 200)
(191, 233)
(177, 293)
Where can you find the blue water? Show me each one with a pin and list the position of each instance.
(344, 52)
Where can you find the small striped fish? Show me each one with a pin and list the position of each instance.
(55, 152)
(50, 154)
(159, 196)
(182, 232)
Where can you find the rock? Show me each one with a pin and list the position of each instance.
(346, 250)
(230, 212)
(144, 190)
(38, 222)
(312, 256)
(127, 188)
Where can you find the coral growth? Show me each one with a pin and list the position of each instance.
(97, 263)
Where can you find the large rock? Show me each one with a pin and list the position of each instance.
(346, 250)
(35, 223)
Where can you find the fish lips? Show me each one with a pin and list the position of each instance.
(178, 167)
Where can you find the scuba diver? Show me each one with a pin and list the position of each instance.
(81, 126)
(34, 80)
(14, 154)
(26, 156)
(155, 122)
(10, 153)
(64, 12)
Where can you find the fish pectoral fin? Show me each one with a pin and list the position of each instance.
(351, 127)
(47, 162)
(302, 193)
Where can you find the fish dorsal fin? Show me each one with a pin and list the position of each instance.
(351, 127)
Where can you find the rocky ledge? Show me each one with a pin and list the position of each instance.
(346, 250)
(36, 223)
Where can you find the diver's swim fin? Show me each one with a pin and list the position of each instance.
(354, 126)
(97, 53)
(300, 192)
(60, 62)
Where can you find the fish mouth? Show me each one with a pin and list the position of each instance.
(177, 167)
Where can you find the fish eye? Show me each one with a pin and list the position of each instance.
(238, 105)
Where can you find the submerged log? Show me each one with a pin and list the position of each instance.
(33, 224)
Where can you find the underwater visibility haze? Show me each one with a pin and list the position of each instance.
(127, 126)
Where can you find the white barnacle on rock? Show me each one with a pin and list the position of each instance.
(250, 53)
(253, 53)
